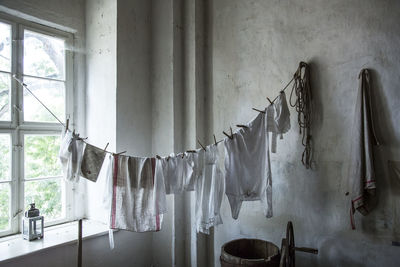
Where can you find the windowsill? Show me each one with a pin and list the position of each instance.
(14, 246)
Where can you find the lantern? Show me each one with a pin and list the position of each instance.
(32, 224)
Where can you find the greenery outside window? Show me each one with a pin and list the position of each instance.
(29, 135)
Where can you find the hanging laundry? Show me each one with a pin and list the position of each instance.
(278, 119)
(92, 161)
(209, 189)
(197, 166)
(361, 171)
(177, 172)
(70, 155)
(248, 168)
(138, 194)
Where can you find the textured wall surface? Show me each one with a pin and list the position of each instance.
(256, 46)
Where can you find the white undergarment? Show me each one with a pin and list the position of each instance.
(278, 119)
(177, 171)
(248, 168)
(209, 189)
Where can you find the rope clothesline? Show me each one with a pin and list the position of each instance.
(190, 151)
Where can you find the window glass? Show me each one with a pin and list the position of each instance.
(48, 197)
(41, 156)
(44, 56)
(51, 93)
(4, 206)
(5, 47)
(5, 157)
(5, 101)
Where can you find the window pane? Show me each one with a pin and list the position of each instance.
(41, 156)
(47, 196)
(5, 89)
(5, 47)
(51, 93)
(44, 55)
(5, 157)
(4, 206)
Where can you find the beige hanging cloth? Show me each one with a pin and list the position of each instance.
(361, 172)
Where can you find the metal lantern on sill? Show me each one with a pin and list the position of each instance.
(32, 224)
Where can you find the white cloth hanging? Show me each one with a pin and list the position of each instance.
(138, 194)
(209, 189)
(177, 172)
(197, 167)
(70, 155)
(278, 119)
(361, 170)
(248, 168)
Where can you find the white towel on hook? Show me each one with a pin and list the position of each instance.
(361, 171)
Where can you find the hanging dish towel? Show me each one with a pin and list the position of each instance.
(138, 194)
(70, 155)
(92, 161)
(361, 171)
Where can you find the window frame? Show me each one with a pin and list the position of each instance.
(18, 128)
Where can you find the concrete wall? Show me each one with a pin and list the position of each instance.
(256, 48)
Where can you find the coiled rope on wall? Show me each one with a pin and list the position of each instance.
(301, 100)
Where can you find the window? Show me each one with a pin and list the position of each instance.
(29, 135)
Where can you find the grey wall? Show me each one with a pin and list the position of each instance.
(256, 46)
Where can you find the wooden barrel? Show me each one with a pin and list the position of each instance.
(249, 252)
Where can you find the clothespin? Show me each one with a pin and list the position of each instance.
(191, 151)
(229, 136)
(158, 157)
(106, 147)
(201, 145)
(270, 101)
(242, 126)
(259, 110)
(215, 140)
(66, 125)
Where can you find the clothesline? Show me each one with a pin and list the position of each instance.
(24, 85)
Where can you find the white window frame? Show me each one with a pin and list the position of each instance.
(17, 127)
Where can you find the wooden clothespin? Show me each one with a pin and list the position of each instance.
(270, 101)
(201, 145)
(261, 111)
(229, 136)
(215, 140)
(106, 147)
(158, 157)
(66, 125)
(191, 151)
(242, 126)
